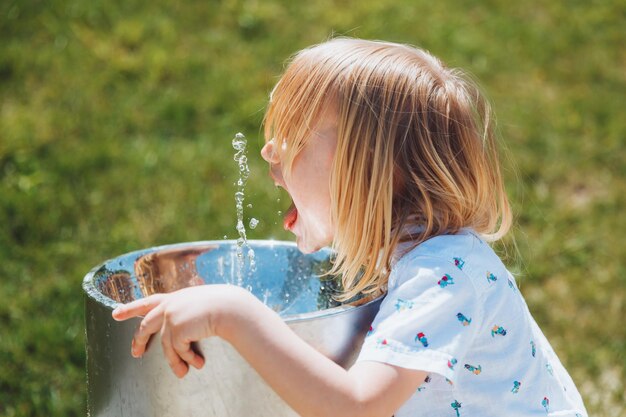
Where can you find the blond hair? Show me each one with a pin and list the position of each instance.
(415, 147)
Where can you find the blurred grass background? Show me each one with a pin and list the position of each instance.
(115, 125)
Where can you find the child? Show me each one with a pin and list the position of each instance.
(390, 157)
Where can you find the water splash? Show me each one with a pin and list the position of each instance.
(239, 144)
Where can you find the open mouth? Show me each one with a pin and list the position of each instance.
(290, 217)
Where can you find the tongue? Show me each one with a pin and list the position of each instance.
(290, 217)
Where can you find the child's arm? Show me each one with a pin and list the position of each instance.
(309, 382)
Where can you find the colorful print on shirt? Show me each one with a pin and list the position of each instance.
(456, 406)
(445, 281)
(402, 305)
(491, 277)
(458, 262)
(399, 347)
(546, 404)
(498, 330)
(422, 338)
(464, 320)
(476, 370)
(511, 285)
(516, 385)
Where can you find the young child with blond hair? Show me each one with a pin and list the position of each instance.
(390, 157)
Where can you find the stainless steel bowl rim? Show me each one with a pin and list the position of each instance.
(91, 290)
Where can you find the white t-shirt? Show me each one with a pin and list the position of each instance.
(453, 310)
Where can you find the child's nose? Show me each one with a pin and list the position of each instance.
(268, 152)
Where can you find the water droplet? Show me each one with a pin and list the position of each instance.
(239, 142)
(253, 223)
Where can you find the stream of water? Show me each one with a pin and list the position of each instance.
(239, 144)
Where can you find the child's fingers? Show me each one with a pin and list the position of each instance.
(149, 326)
(136, 308)
(178, 365)
(185, 350)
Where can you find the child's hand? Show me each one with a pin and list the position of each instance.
(182, 317)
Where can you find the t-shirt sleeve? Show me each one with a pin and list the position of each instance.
(426, 322)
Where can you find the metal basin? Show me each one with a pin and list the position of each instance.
(283, 278)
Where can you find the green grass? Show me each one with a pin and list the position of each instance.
(115, 126)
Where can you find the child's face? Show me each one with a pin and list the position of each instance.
(309, 216)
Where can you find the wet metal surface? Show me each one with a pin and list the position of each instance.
(284, 279)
